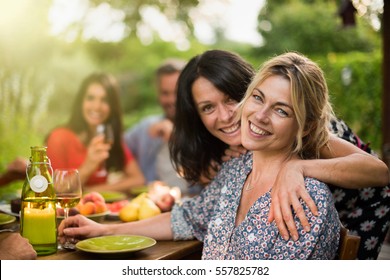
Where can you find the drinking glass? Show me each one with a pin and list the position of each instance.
(108, 132)
(68, 190)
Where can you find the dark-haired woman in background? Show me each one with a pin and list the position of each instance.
(79, 144)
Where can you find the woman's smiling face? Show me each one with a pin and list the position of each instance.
(217, 111)
(268, 120)
(96, 109)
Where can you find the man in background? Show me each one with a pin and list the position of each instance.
(148, 139)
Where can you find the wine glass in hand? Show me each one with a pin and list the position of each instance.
(107, 131)
(68, 191)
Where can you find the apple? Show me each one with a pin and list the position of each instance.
(165, 202)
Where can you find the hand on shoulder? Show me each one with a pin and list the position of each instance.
(162, 129)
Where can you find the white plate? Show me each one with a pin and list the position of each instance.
(6, 208)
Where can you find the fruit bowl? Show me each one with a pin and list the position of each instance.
(98, 217)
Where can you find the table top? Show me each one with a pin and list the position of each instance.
(162, 250)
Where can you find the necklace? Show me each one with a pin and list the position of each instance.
(249, 186)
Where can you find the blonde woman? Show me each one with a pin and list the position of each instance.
(279, 123)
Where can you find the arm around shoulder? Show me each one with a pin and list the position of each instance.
(347, 166)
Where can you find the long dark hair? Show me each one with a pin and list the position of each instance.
(192, 146)
(77, 123)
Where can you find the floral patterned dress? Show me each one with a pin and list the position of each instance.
(210, 217)
(366, 211)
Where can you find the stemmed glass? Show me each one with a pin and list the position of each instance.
(68, 190)
(108, 132)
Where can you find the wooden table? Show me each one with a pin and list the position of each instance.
(163, 250)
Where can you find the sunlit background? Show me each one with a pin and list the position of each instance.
(106, 23)
(48, 46)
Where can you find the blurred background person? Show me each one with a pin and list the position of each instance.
(92, 140)
(148, 139)
(16, 170)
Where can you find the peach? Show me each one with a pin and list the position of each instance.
(93, 197)
(100, 207)
(87, 208)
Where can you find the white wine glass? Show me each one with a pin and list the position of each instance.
(107, 131)
(68, 189)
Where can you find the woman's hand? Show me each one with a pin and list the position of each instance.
(289, 187)
(234, 152)
(98, 150)
(79, 227)
(231, 152)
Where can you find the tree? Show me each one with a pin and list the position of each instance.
(311, 27)
(129, 16)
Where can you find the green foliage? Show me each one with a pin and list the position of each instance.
(313, 29)
(23, 103)
(357, 100)
(175, 10)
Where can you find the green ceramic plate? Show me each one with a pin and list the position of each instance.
(115, 244)
(111, 196)
(6, 219)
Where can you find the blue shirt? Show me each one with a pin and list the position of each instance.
(210, 218)
(144, 147)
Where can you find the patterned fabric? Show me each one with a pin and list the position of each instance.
(210, 217)
(366, 211)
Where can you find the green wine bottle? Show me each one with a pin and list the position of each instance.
(38, 210)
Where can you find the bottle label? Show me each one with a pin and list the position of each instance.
(38, 183)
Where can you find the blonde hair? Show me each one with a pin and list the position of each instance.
(310, 100)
